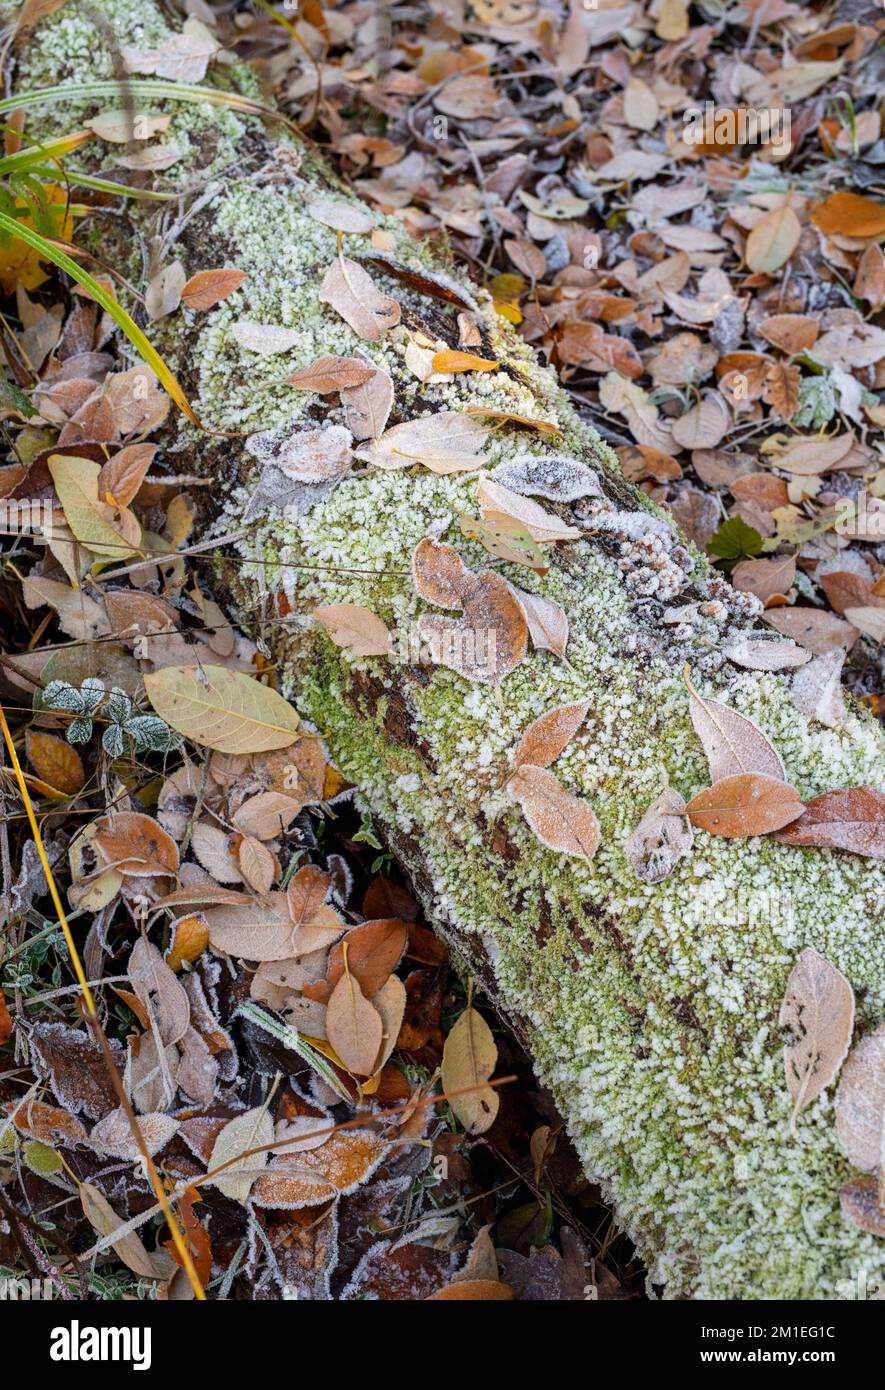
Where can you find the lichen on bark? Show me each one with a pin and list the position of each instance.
(651, 1010)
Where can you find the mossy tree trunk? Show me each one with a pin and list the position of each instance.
(650, 1010)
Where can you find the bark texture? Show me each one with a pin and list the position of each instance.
(651, 1010)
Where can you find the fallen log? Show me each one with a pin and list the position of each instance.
(651, 1008)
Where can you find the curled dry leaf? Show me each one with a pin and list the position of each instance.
(860, 1105)
(561, 820)
(852, 818)
(222, 709)
(136, 845)
(497, 501)
(447, 442)
(750, 803)
(354, 627)
(661, 839)
(547, 622)
(451, 360)
(352, 293)
(210, 287)
(113, 1134)
(818, 1010)
(469, 1058)
(353, 1027)
(732, 742)
(548, 735)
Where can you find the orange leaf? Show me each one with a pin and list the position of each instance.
(190, 937)
(55, 761)
(847, 214)
(750, 803)
(451, 360)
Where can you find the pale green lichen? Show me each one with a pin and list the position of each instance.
(651, 1010)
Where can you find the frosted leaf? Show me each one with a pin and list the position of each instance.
(266, 339)
(447, 442)
(317, 456)
(547, 621)
(160, 992)
(548, 735)
(75, 1067)
(198, 1070)
(496, 501)
(817, 689)
(661, 839)
(561, 820)
(759, 654)
(113, 1135)
(860, 1204)
(244, 1132)
(732, 742)
(818, 1009)
(860, 1104)
(340, 1165)
(352, 292)
(344, 217)
(554, 476)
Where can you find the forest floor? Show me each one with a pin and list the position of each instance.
(710, 291)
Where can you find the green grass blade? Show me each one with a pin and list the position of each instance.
(78, 180)
(135, 335)
(158, 90)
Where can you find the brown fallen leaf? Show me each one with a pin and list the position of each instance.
(818, 1011)
(55, 761)
(732, 742)
(210, 287)
(473, 1290)
(331, 373)
(561, 820)
(750, 803)
(491, 638)
(343, 217)
(351, 292)
(373, 950)
(849, 214)
(792, 333)
(860, 1204)
(813, 628)
(547, 736)
(354, 627)
(852, 818)
(353, 1026)
(860, 1106)
(136, 845)
(766, 579)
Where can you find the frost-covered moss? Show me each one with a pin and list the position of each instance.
(651, 1010)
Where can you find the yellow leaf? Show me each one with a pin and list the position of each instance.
(113, 533)
(222, 709)
(21, 264)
